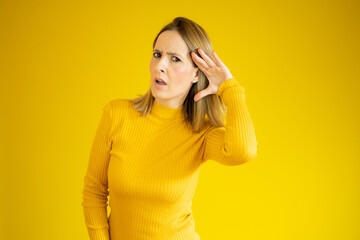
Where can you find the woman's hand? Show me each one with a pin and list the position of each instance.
(216, 72)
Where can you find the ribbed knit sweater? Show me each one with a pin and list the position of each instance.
(149, 167)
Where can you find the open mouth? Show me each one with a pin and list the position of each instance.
(160, 82)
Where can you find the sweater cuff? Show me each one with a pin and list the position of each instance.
(232, 82)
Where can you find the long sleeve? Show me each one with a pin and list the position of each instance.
(235, 143)
(95, 190)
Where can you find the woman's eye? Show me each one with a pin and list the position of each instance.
(177, 59)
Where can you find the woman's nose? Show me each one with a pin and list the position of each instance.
(161, 66)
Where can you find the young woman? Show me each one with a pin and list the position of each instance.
(147, 152)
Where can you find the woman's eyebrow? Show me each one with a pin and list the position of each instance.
(170, 53)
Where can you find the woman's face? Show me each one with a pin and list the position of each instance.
(171, 61)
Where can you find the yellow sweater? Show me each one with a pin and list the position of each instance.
(150, 165)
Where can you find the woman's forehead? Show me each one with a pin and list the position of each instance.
(171, 41)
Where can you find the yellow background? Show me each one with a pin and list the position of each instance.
(62, 61)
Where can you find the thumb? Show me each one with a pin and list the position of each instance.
(202, 94)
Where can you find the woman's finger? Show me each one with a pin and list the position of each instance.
(217, 59)
(200, 62)
(202, 93)
(206, 58)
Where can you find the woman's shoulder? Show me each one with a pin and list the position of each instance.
(121, 110)
(120, 106)
(120, 103)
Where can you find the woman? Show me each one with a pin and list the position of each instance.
(147, 152)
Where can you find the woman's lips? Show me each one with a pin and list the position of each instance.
(158, 85)
(160, 79)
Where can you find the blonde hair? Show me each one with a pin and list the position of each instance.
(210, 107)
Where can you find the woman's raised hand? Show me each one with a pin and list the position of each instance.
(215, 71)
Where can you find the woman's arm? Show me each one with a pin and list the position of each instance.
(235, 143)
(95, 190)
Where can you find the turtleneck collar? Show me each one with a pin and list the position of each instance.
(165, 112)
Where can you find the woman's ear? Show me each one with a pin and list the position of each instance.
(196, 78)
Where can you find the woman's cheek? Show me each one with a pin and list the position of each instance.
(180, 71)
